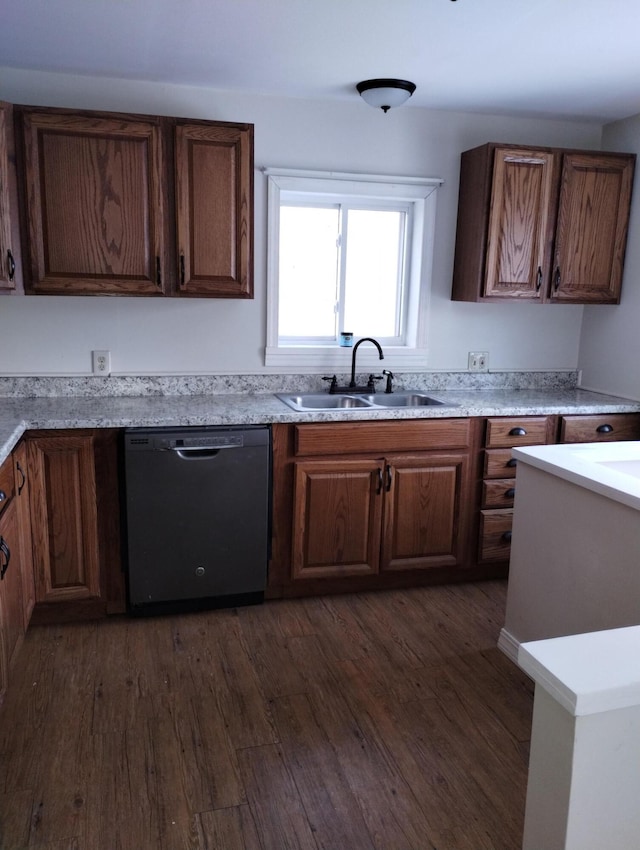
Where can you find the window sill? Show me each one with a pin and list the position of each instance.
(338, 359)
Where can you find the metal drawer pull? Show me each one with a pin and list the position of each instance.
(4, 550)
(510, 493)
(24, 478)
(513, 462)
(604, 429)
(3, 495)
(517, 432)
(507, 537)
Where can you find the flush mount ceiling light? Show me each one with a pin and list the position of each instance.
(385, 93)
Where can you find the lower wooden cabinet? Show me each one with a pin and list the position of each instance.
(73, 480)
(365, 517)
(13, 564)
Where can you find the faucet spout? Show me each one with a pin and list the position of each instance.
(352, 383)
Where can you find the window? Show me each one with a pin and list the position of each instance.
(347, 252)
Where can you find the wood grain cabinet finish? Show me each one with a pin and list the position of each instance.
(373, 503)
(600, 428)
(64, 517)
(122, 204)
(12, 568)
(542, 224)
(502, 434)
(214, 192)
(10, 260)
(95, 204)
(23, 510)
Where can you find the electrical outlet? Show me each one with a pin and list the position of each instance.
(101, 362)
(478, 361)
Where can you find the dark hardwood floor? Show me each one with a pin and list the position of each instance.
(379, 721)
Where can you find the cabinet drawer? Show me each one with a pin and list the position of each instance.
(498, 463)
(517, 431)
(6, 483)
(333, 438)
(498, 493)
(600, 428)
(495, 535)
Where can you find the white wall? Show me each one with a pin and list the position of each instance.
(610, 345)
(54, 335)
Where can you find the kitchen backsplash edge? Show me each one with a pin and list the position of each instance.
(183, 385)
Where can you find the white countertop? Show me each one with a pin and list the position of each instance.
(587, 673)
(20, 414)
(610, 469)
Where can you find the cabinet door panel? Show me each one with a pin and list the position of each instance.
(422, 514)
(214, 197)
(518, 223)
(64, 517)
(337, 518)
(95, 204)
(11, 609)
(7, 254)
(593, 215)
(22, 485)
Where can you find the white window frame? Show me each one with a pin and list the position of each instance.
(420, 194)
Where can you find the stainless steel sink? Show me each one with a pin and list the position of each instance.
(402, 400)
(323, 401)
(378, 401)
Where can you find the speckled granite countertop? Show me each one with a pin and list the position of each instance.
(20, 414)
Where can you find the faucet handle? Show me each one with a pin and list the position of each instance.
(333, 384)
(370, 383)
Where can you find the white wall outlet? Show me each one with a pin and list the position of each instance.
(478, 361)
(101, 362)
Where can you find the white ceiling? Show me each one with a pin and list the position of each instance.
(549, 58)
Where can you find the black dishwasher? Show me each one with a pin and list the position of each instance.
(197, 516)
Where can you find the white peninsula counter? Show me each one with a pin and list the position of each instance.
(575, 552)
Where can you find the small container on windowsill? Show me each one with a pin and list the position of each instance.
(346, 339)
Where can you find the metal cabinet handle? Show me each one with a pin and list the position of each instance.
(6, 552)
(389, 478)
(517, 432)
(182, 271)
(556, 279)
(11, 265)
(380, 482)
(511, 463)
(158, 272)
(510, 493)
(506, 537)
(604, 429)
(3, 495)
(24, 478)
(539, 279)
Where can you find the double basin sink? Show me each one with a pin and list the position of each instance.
(375, 401)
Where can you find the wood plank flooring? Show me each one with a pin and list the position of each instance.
(378, 721)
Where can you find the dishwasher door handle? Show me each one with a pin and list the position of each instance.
(199, 453)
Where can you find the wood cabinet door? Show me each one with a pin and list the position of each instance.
(519, 221)
(22, 489)
(591, 231)
(425, 513)
(337, 518)
(214, 206)
(64, 517)
(95, 204)
(11, 608)
(7, 214)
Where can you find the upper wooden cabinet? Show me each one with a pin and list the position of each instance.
(10, 269)
(542, 224)
(100, 216)
(214, 206)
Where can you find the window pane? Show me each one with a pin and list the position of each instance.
(308, 271)
(374, 266)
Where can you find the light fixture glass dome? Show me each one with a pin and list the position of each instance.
(385, 92)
